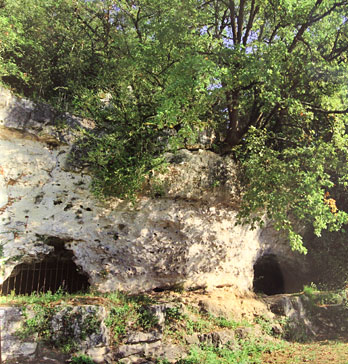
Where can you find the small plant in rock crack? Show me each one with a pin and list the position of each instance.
(174, 314)
(117, 320)
(146, 319)
(265, 324)
(198, 325)
(82, 359)
(74, 327)
(129, 313)
(162, 361)
(39, 323)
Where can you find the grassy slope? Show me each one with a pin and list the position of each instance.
(258, 347)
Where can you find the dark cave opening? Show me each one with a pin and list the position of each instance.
(56, 271)
(268, 276)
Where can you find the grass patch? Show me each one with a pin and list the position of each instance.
(323, 352)
(39, 298)
(248, 352)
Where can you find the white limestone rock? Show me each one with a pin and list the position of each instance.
(187, 237)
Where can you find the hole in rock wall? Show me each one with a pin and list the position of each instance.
(268, 277)
(276, 275)
(55, 271)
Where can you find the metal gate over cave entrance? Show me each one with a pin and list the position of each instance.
(56, 271)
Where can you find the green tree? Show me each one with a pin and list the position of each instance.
(270, 77)
(44, 51)
(155, 82)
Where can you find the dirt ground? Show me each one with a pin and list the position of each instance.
(225, 302)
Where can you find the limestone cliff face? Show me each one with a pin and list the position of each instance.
(187, 236)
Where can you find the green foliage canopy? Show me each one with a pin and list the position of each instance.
(270, 77)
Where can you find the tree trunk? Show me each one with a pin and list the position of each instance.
(234, 133)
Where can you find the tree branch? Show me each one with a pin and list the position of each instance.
(223, 24)
(313, 19)
(240, 20)
(322, 111)
(233, 20)
(304, 27)
(253, 12)
(328, 12)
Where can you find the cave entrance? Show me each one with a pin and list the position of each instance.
(268, 276)
(56, 271)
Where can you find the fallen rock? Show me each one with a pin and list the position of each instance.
(193, 339)
(98, 354)
(124, 351)
(142, 337)
(244, 332)
(219, 339)
(166, 351)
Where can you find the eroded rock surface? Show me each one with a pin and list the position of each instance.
(185, 237)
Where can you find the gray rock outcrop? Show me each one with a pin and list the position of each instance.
(81, 325)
